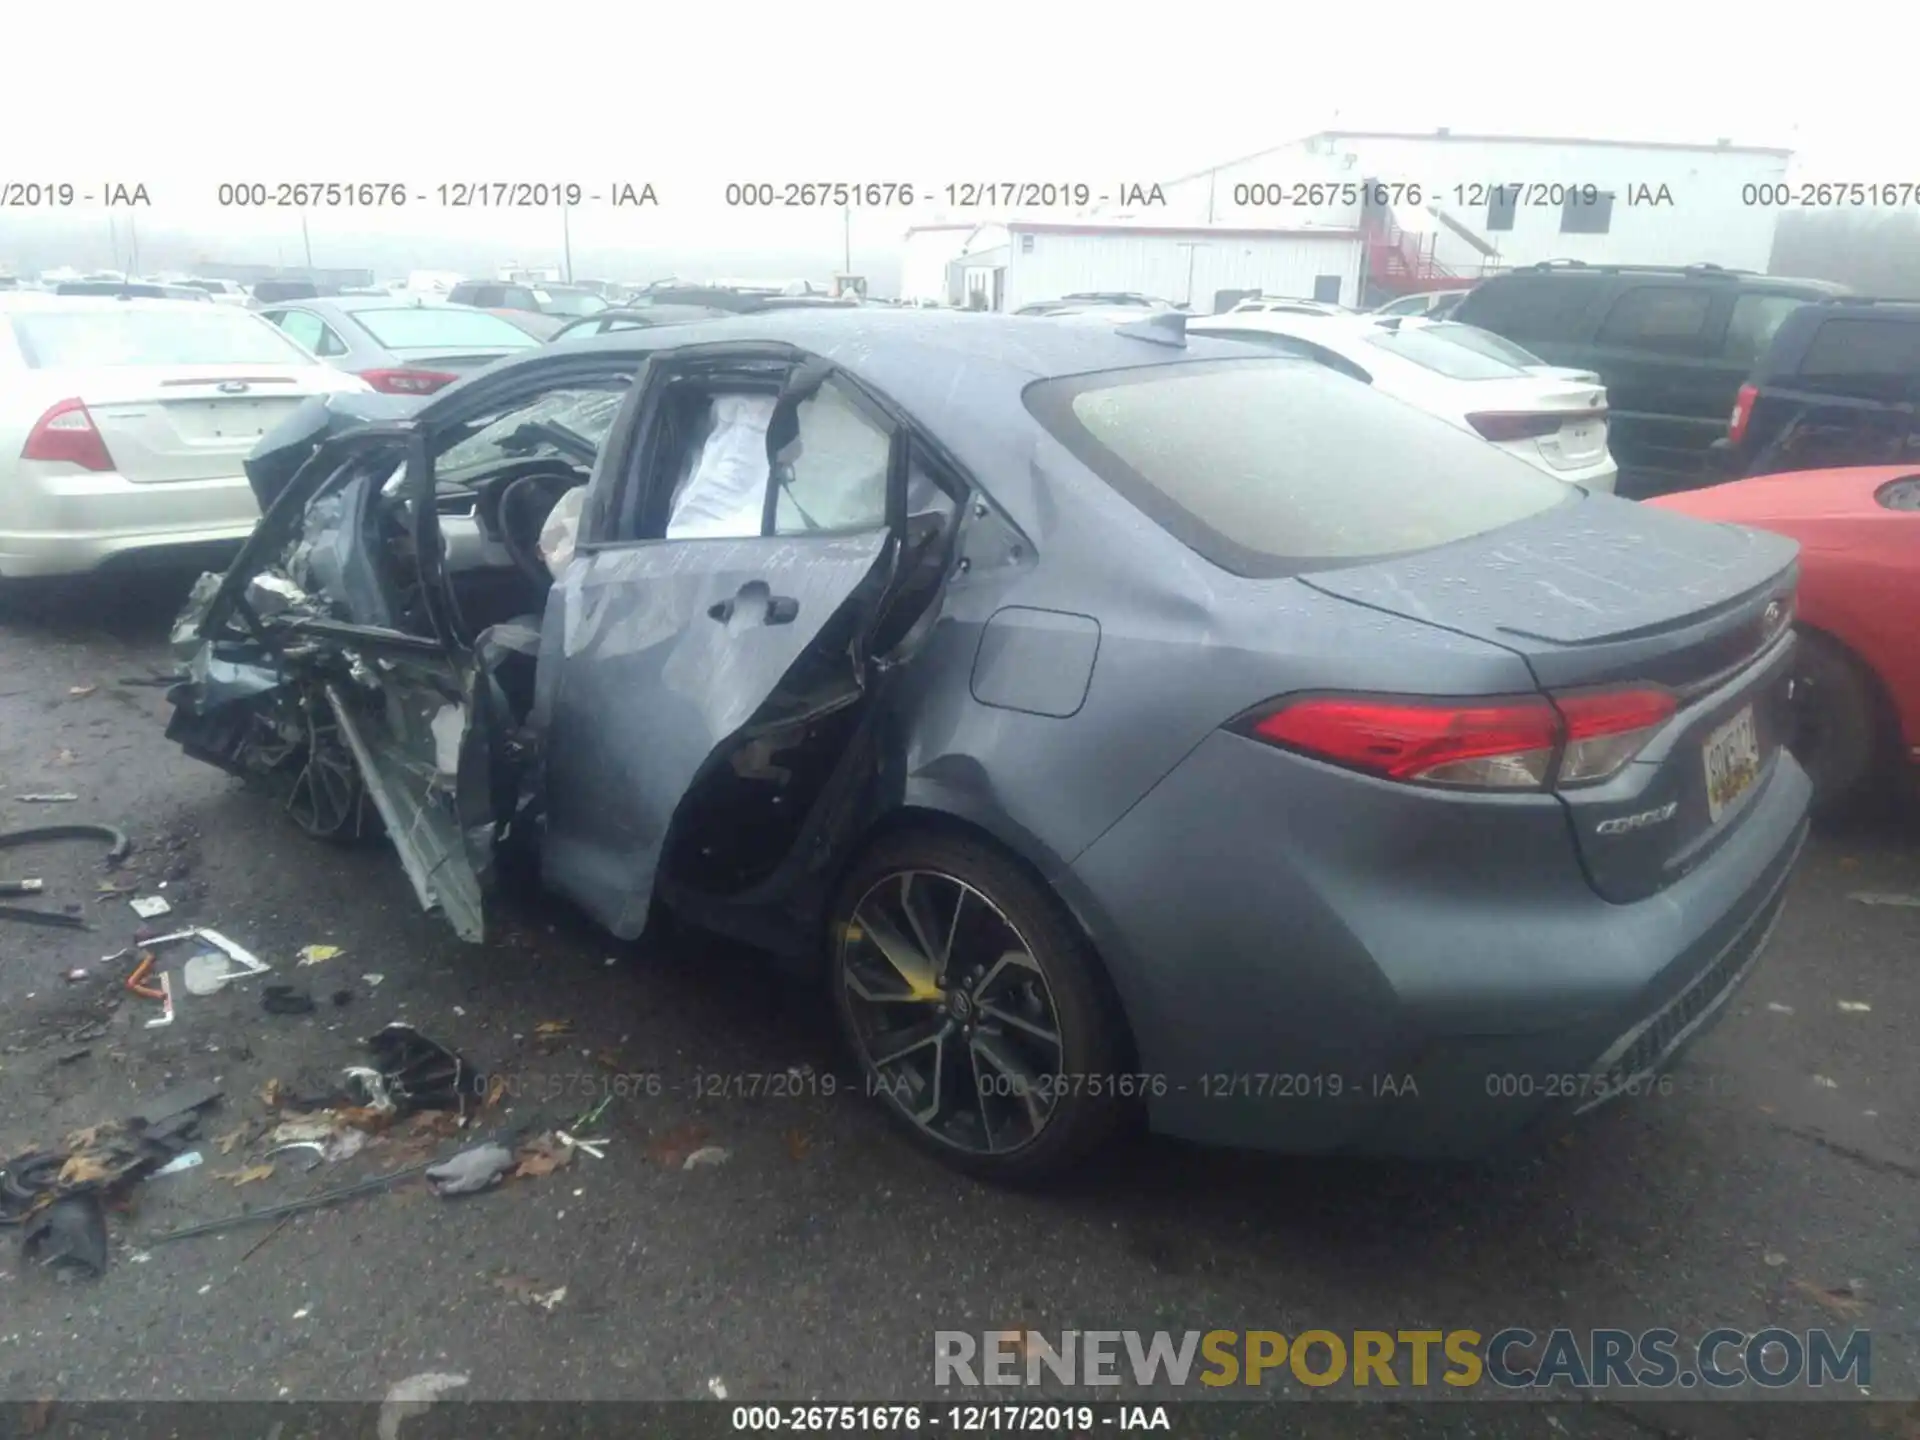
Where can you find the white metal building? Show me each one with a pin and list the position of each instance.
(1020, 262)
(1488, 202)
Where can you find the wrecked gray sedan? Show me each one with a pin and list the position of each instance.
(1114, 722)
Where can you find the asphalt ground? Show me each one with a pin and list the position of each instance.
(1774, 1186)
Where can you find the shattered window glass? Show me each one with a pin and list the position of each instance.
(566, 425)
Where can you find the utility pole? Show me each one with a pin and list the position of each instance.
(846, 239)
(306, 242)
(133, 248)
(566, 242)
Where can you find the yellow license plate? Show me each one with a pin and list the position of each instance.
(1731, 755)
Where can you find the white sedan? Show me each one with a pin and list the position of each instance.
(1554, 419)
(125, 425)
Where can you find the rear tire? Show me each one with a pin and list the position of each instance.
(1840, 738)
(948, 1021)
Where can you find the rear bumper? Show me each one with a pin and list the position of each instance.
(61, 520)
(1312, 968)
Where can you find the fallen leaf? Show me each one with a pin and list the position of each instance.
(707, 1155)
(248, 1176)
(798, 1144)
(496, 1087)
(1840, 1299)
(1855, 1007)
(542, 1156)
(434, 1124)
(228, 1141)
(554, 1027)
(82, 1170)
(273, 1094)
(85, 1139)
(80, 692)
(673, 1148)
(610, 1060)
(365, 1117)
(316, 954)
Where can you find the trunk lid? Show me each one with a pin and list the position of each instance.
(195, 422)
(1602, 592)
(1580, 402)
(460, 359)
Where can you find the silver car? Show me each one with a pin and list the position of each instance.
(398, 346)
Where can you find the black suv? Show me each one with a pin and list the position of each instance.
(1672, 344)
(1838, 386)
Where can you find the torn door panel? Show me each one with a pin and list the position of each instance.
(654, 663)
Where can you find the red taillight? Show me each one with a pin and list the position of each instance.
(1742, 413)
(66, 432)
(407, 382)
(1517, 743)
(1502, 425)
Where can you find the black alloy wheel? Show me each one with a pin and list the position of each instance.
(975, 1008)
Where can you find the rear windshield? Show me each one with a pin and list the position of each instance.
(163, 335)
(1441, 349)
(1272, 467)
(1531, 307)
(437, 327)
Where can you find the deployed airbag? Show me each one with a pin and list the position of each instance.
(724, 496)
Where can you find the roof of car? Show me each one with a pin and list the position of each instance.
(936, 344)
(349, 303)
(1704, 272)
(47, 300)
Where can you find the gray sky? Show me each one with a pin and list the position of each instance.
(692, 96)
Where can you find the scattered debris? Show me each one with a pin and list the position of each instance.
(553, 1027)
(80, 692)
(179, 1163)
(717, 1387)
(53, 918)
(228, 1141)
(318, 954)
(78, 974)
(1773, 1259)
(544, 1154)
(206, 973)
(69, 1235)
(673, 1148)
(319, 1151)
(118, 845)
(163, 991)
(373, 979)
(1871, 897)
(527, 1292)
(164, 1109)
(1855, 1007)
(595, 1148)
(246, 1175)
(22, 887)
(149, 907)
(413, 1072)
(707, 1155)
(1843, 1300)
(285, 1000)
(292, 1207)
(1825, 1084)
(411, 1397)
(64, 797)
(471, 1171)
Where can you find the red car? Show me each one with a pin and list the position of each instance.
(1857, 679)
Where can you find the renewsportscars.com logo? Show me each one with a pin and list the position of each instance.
(1513, 1358)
